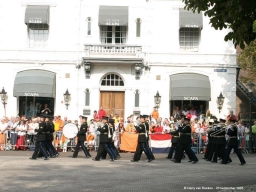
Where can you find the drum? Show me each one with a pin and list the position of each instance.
(70, 130)
(14, 137)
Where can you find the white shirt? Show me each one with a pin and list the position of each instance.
(3, 126)
(92, 128)
(32, 127)
(166, 128)
(21, 130)
(199, 130)
(185, 112)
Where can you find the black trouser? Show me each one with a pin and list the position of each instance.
(211, 151)
(50, 148)
(236, 150)
(39, 147)
(104, 147)
(141, 147)
(188, 150)
(218, 152)
(173, 147)
(208, 148)
(81, 143)
(149, 151)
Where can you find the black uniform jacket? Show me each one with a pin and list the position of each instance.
(81, 133)
(175, 136)
(185, 134)
(41, 131)
(141, 129)
(104, 134)
(48, 131)
(111, 130)
(232, 136)
(210, 138)
(221, 139)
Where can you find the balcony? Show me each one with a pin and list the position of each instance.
(113, 50)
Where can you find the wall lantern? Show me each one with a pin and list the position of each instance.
(66, 98)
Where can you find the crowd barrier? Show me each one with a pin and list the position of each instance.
(159, 143)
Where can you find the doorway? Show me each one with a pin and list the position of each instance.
(112, 102)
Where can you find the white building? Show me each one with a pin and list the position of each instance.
(114, 53)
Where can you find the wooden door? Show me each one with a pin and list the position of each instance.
(112, 102)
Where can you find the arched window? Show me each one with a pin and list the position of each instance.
(138, 23)
(89, 20)
(112, 80)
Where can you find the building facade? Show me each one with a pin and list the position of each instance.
(115, 54)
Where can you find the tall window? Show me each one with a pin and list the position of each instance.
(112, 80)
(89, 22)
(87, 97)
(137, 98)
(189, 39)
(113, 34)
(138, 24)
(38, 34)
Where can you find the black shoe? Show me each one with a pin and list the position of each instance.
(72, 156)
(133, 160)
(189, 161)
(95, 160)
(88, 156)
(111, 160)
(207, 160)
(168, 158)
(150, 160)
(47, 158)
(53, 156)
(32, 158)
(223, 162)
(172, 159)
(118, 157)
(175, 161)
(213, 161)
(229, 161)
(57, 154)
(194, 162)
(242, 163)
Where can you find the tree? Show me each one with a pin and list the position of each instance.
(247, 60)
(237, 15)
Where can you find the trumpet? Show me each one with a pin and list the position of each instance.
(218, 131)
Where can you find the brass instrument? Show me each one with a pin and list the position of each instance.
(218, 131)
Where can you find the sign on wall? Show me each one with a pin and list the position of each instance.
(220, 70)
(86, 112)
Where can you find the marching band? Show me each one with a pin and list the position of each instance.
(42, 135)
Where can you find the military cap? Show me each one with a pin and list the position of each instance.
(222, 120)
(105, 117)
(84, 117)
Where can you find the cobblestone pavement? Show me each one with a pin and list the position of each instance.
(18, 173)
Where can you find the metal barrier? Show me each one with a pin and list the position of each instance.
(27, 142)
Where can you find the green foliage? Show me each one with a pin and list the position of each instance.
(247, 60)
(254, 26)
(237, 15)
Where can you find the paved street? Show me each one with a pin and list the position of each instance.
(18, 173)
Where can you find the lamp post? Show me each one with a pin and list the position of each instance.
(66, 98)
(157, 98)
(220, 99)
(250, 86)
(3, 98)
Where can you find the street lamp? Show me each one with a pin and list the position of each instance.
(157, 98)
(220, 101)
(66, 98)
(250, 87)
(3, 95)
(138, 68)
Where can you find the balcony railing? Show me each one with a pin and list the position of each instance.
(132, 50)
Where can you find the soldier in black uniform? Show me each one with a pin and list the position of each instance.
(40, 143)
(220, 141)
(233, 143)
(81, 138)
(214, 141)
(104, 141)
(209, 144)
(56, 154)
(49, 137)
(147, 135)
(175, 140)
(184, 143)
(111, 142)
(141, 129)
